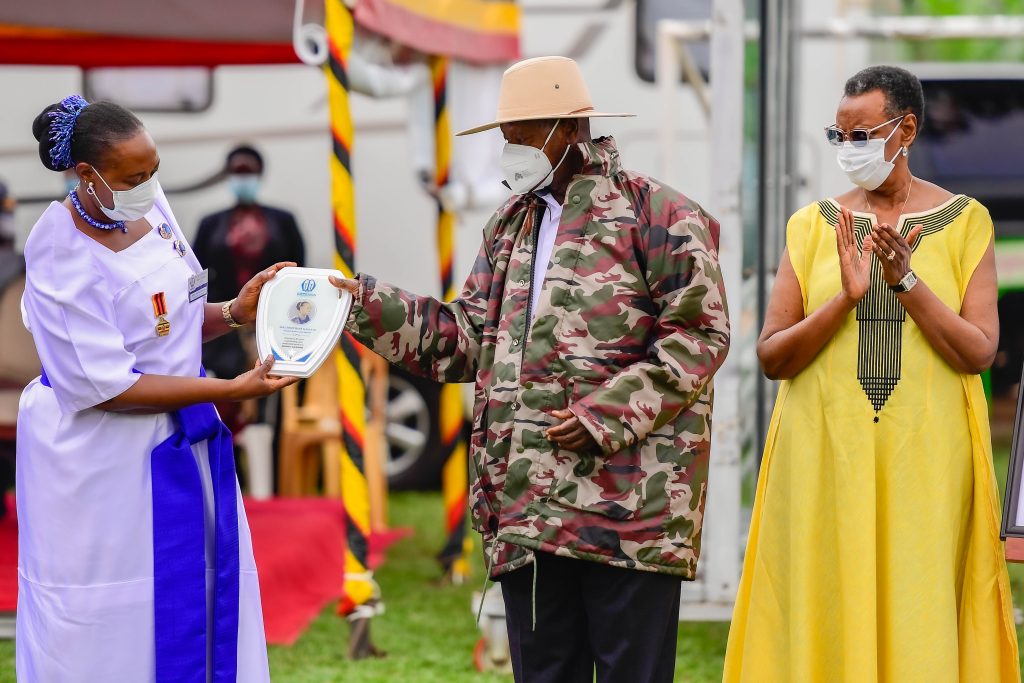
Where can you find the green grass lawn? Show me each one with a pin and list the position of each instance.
(429, 632)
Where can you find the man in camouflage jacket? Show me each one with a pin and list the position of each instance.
(592, 414)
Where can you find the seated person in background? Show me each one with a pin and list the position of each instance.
(235, 244)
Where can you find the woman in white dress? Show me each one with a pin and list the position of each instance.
(135, 562)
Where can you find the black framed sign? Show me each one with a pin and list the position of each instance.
(1012, 529)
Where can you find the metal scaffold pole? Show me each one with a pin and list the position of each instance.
(777, 160)
(777, 84)
(722, 510)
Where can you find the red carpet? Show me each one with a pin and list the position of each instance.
(299, 545)
(9, 559)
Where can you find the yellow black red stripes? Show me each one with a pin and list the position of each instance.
(451, 416)
(357, 586)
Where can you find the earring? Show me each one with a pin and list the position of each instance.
(91, 189)
(906, 152)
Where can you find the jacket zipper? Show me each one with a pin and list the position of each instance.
(537, 217)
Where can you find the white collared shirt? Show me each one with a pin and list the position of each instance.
(545, 244)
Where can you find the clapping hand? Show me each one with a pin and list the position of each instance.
(854, 263)
(894, 251)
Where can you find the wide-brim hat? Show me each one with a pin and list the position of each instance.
(543, 88)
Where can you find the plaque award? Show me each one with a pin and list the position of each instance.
(299, 319)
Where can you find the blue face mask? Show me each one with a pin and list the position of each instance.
(245, 186)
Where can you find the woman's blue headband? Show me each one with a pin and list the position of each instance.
(62, 128)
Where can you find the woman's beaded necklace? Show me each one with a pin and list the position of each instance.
(76, 202)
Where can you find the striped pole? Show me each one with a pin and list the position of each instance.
(454, 478)
(358, 588)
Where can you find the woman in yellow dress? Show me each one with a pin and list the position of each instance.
(874, 550)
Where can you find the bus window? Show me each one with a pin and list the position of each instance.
(152, 89)
(648, 13)
(972, 143)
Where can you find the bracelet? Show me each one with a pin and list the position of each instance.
(225, 310)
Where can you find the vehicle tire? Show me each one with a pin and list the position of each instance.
(412, 436)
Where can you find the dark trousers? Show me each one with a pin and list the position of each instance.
(621, 622)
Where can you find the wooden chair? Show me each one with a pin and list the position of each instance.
(310, 436)
(310, 440)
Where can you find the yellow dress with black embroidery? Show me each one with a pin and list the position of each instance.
(874, 551)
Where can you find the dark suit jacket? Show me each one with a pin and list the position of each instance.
(225, 356)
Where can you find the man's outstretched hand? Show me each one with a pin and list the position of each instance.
(350, 286)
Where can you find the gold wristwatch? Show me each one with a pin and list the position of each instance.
(225, 310)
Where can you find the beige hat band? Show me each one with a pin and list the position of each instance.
(533, 113)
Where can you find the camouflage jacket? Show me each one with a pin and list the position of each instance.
(630, 327)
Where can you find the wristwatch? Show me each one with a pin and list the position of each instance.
(906, 284)
(225, 311)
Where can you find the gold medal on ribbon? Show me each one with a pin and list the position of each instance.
(163, 328)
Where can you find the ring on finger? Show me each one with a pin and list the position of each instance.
(891, 255)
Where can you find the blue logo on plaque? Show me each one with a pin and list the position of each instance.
(308, 285)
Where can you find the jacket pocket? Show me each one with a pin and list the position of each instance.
(581, 387)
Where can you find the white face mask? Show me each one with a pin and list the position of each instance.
(129, 205)
(866, 166)
(527, 168)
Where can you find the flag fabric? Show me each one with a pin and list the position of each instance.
(477, 31)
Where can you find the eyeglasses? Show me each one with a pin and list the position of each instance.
(858, 136)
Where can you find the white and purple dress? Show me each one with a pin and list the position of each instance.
(135, 561)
